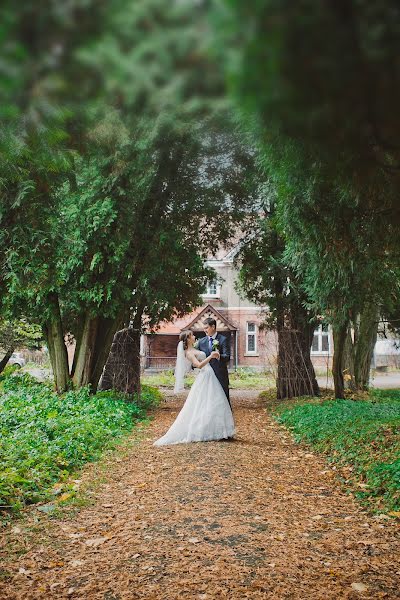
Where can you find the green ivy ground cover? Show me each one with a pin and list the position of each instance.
(363, 434)
(238, 380)
(45, 437)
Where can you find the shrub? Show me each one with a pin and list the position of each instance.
(44, 437)
(362, 433)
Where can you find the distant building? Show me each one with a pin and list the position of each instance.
(386, 353)
(237, 317)
(241, 321)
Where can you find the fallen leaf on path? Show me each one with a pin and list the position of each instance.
(55, 564)
(64, 496)
(96, 541)
(54, 585)
(359, 587)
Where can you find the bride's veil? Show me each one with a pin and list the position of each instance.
(182, 367)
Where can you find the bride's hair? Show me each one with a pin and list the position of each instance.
(184, 337)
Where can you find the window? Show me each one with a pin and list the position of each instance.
(212, 289)
(320, 343)
(251, 338)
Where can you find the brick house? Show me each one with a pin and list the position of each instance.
(236, 316)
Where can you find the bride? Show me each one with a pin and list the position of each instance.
(206, 414)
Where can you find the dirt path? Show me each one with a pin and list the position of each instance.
(255, 518)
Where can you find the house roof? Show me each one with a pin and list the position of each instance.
(194, 320)
(210, 311)
(177, 325)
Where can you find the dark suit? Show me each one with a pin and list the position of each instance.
(220, 366)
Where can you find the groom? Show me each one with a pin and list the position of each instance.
(220, 365)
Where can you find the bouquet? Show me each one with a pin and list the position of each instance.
(215, 345)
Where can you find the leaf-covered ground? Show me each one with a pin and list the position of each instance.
(361, 435)
(260, 517)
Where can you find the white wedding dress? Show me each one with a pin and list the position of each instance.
(206, 414)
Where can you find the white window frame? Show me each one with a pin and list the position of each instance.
(142, 342)
(248, 333)
(318, 332)
(208, 293)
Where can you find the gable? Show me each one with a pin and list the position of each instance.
(209, 311)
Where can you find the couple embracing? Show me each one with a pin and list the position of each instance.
(206, 414)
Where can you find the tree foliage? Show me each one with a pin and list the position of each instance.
(113, 161)
(325, 78)
(319, 85)
(266, 278)
(14, 334)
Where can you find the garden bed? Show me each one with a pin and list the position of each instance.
(44, 437)
(361, 436)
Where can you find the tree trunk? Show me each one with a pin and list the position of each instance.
(105, 335)
(135, 370)
(84, 359)
(92, 350)
(78, 339)
(5, 359)
(122, 371)
(296, 374)
(339, 342)
(367, 335)
(50, 345)
(56, 344)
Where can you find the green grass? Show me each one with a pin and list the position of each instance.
(240, 379)
(360, 435)
(45, 437)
